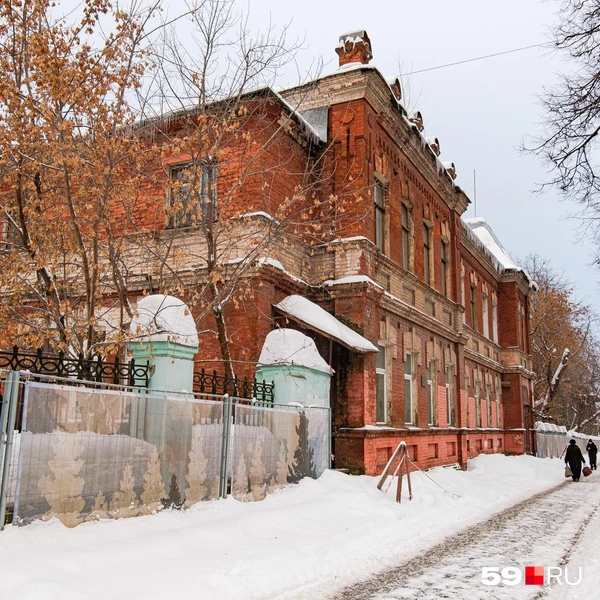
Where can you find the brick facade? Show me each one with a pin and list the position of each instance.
(450, 308)
(398, 265)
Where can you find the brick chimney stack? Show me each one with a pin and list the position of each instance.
(354, 47)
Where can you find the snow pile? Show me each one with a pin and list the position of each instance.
(291, 347)
(304, 541)
(160, 318)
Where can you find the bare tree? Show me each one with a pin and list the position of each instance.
(246, 175)
(569, 143)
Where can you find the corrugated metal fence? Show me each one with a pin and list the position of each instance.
(552, 440)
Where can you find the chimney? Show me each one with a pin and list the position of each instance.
(354, 47)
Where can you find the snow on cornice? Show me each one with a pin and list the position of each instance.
(352, 279)
(482, 234)
(272, 262)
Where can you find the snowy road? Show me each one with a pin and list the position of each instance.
(544, 530)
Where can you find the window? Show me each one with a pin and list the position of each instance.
(445, 270)
(431, 420)
(380, 194)
(494, 320)
(498, 403)
(477, 404)
(449, 411)
(474, 306)
(381, 409)
(426, 254)
(193, 192)
(488, 403)
(408, 390)
(486, 317)
(405, 238)
(463, 296)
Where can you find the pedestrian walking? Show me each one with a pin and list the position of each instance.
(592, 451)
(574, 458)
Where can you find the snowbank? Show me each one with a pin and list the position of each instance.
(303, 541)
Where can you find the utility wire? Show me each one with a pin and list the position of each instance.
(460, 62)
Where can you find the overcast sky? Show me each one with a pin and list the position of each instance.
(480, 111)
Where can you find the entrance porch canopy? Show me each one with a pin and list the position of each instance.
(313, 317)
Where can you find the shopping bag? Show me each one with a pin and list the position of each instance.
(568, 472)
(586, 471)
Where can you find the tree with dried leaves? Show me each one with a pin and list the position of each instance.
(70, 170)
(564, 352)
(149, 166)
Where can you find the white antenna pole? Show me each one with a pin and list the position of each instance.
(474, 193)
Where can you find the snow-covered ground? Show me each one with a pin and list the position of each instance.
(304, 541)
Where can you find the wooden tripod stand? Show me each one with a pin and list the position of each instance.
(401, 455)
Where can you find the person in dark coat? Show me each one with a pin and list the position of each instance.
(592, 451)
(574, 458)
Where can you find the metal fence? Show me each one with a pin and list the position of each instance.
(212, 383)
(97, 369)
(86, 453)
(552, 440)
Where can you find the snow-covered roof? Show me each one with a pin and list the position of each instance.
(488, 238)
(160, 318)
(313, 316)
(291, 347)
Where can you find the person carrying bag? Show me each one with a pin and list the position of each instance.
(574, 460)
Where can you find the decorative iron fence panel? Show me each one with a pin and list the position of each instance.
(59, 365)
(212, 383)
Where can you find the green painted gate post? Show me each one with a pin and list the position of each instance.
(8, 418)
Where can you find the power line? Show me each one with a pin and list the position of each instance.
(460, 62)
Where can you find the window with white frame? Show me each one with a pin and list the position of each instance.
(408, 390)
(474, 306)
(477, 404)
(431, 393)
(486, 316)
(463, 296)
(467, 387)
(498, 403)
(381, 409)
(494, 320)
(449, 411)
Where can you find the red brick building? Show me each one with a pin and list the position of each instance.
(438, 296)
(392, 259)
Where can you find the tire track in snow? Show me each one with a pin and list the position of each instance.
(541, 530)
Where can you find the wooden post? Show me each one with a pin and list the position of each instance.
(388, 467)
(403, 459)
